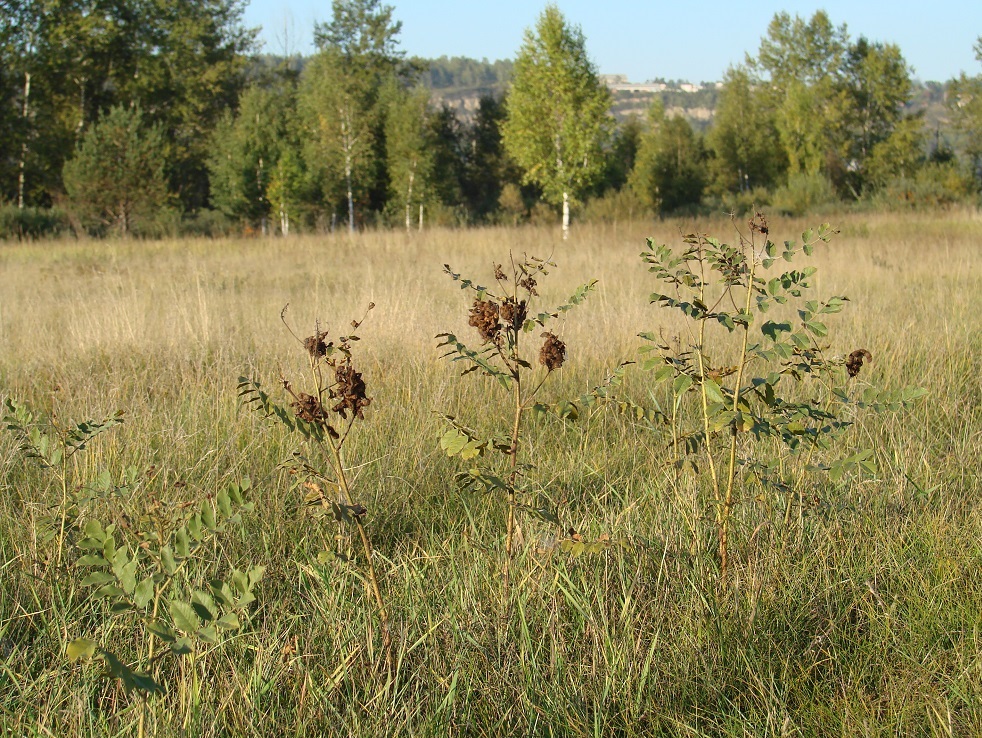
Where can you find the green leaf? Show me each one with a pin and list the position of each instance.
(184, 616)
(143, 593)
(229, 621)
(81, 648)
(182, 543)
(91, 560)
(713, 391)
(167, 560)
(97, 577)
(204, 605)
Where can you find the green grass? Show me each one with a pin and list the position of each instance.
(865, 620)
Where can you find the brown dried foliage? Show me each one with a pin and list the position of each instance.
(514, 312)
(855, 361)
(315, 345)
(553, 352)
(350, 391)
(309, 408)
(484, 317)
(759, 224)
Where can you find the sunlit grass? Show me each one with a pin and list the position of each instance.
(863, 622)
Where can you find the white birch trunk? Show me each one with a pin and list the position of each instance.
(22, 165)
(409, 195)
(565, 215)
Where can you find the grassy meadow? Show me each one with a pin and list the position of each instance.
(859, 614)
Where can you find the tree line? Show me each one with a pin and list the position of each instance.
(140, 115)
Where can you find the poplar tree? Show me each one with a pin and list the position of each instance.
(558, 112)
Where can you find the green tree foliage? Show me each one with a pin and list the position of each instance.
(340, 98)
(832, 101)
(558, 112)
(459, 72)
(877, 81)
(488, 168)
(246, 152)
(743, 140)
(409, 151)
(117, 175)
(448, 140)
(190, 68)
(669, 172)
(623, 151)
(965, 104)
(66, 62)
(801, 62)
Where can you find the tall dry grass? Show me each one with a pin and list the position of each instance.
(863, 622)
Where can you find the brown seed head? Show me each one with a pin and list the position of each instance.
(528, 284)
(514, 312)
(855, 361)
(759, 223)
(309, 408)
(350, 391)
(484, 317)
(498, 273)
(553, 352)
(315, 344)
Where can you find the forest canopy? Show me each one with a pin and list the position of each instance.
(361, 135)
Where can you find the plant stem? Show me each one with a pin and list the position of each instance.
(366, 543)
(731, 469)
(702, 385)
(513, 458)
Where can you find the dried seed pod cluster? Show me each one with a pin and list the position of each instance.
(855, 361)
(484, 317)
(350, 390)
(514, 312)
(553, 352)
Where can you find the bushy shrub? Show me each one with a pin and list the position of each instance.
(935, 185)
(30, 223)
(615, 205)
(804, 193)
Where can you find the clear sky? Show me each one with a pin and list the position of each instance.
(673, 39)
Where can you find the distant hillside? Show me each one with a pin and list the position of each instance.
(460, 82)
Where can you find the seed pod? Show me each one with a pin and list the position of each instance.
(484, 317)
(553, 352)
(855, 361)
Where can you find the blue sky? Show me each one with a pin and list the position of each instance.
(694, 40)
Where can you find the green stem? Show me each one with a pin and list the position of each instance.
(512, 477)
(731, 469)
(366, 543)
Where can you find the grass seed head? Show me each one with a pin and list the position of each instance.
(553, 352)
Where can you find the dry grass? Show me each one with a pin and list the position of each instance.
(864, 622)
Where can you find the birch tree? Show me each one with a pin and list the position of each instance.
(340, 95)
(409, 150)
(558, 112)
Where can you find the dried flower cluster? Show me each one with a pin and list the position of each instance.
(553, 352)
(514, 312)
(350, 391)
(855, 361)
(315, 345)
(484, 317)
(758, 224)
